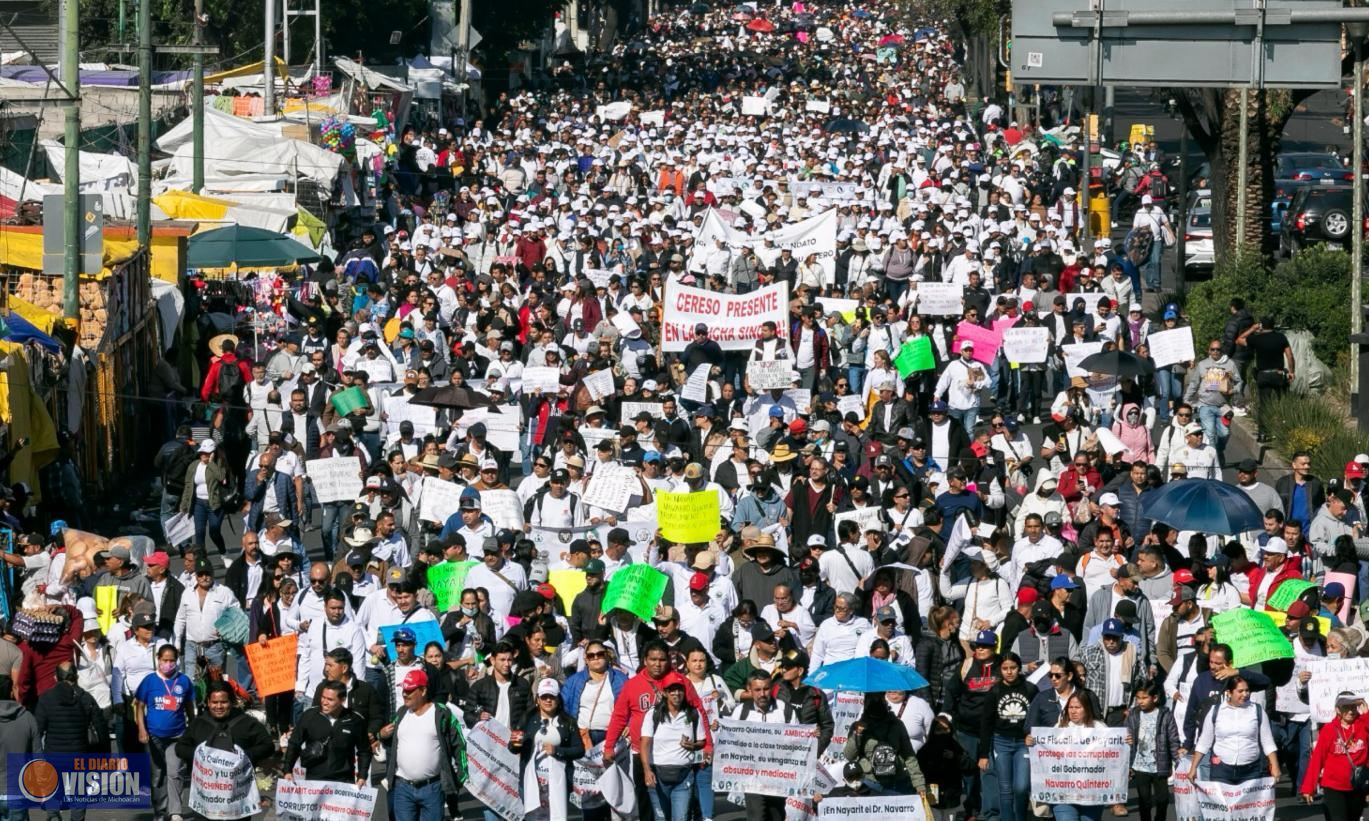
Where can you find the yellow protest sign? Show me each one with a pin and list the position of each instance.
(106, 602)
(688, 517)
(568, 584)
(1322, 620)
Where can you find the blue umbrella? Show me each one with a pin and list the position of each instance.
(866, 675)
(1204, 505)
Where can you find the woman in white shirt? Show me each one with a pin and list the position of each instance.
(94, 664)
(915, 713)
(717, 700)
(674, 736)
(1219, 595)
(1236, 736)
(1078, 712)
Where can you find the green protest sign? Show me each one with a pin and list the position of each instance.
(914, 356)
(637, 589)
(1252, 635)
(446, 579)
(1288, 592)
(344, 402)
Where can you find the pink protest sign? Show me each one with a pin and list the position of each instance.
(986, 342)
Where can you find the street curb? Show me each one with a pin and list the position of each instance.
(1243, 430)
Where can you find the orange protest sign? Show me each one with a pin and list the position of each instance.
(273, 664)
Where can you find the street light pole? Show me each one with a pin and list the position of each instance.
(1357, 31)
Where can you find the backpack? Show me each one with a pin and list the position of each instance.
(230, 382)
(1159, 186)
(173, 475)
(1037, 576)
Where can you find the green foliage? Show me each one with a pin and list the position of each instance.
(973, 16)
(1313, 424)
(1308, 292)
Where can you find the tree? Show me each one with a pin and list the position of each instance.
(1213, 119)
(975, 23)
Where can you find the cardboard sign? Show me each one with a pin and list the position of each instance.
(1026, 346)
(1253, 636)
(688, 517)
(637, 589)
(765, 759)
(1079, 765)
(337, 479)
(273, 664)
(940, 298)
(733, 320)
(1171, 347)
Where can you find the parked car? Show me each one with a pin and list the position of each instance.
(1198, 255)
(1317, 213)
(1310, 165)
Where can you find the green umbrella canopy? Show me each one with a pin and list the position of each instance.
(246, 247)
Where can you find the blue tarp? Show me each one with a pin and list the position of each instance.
(21, 330)
(112, 77)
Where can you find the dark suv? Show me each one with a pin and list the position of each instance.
(1318, 213)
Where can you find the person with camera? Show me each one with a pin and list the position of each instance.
(1340, 761)
(330, 741)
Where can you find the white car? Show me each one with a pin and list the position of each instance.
(1198, 254)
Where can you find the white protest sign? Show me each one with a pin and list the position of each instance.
(599, 276)
(845, 307)
(1109, 441)
(379, 369)
(631, 409)
(867, 518)
(335, 480)
(815, 235)
(438, 500)
(819, 106)
(1172, 346)
(612, 488)
(801, 397)
(222, 784)
(764, 759)
(874, 808)
(587, 788)
(1330, 677)
(1076, 353)
(600, 383)
(733, 320)
(770, 374)
(180, 529)
(625, 324)
(308, 800)
(1080, 765)
(503, 508)
(541, 378)
(851, 404)
(753, 106)
(696, 388)
(613, 111)
(501, 426)
(1026, 346)
(940, 298)
(494, 770)
(593, 436)
(399, 409)
(830, 190)
(1251, 800)
(656, 118)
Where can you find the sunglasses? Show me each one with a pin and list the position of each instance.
(1056, 675)
(593, 656)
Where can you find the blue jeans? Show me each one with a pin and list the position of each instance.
(1014, 777)
(855, 374)
(421, 804)
(980, 788)
(333, 515)
(1225, 773)
(1151, 267)
(967, 418)
(675, 796)
(208, 522)
(215, 653)
(1167, 389)
(703, 790)
(1210, 417)
(1295, 743)
(1077, 812)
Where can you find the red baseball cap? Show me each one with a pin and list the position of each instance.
(414, 680)
(546, 591)
(1354, 470)
(798, 426)
(699, 581)
(1183, 576)
(1028, 595)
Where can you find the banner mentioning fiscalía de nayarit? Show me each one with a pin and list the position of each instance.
(1079, 765)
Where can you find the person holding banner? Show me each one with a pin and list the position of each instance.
(1338, 761)
(224, 726)
(1078, 712)
(1234, 735)
(879, 743)
(547, 747)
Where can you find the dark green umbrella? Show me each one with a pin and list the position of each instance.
(246, 247)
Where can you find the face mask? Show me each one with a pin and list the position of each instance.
(469, 611)
(167, 667)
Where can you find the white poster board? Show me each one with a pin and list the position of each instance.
(493, 770)
(1079, 765)
(1172, 346)
(337, 479)
(438, 501)
(940, 298)
(1026, 346)
(765, 759)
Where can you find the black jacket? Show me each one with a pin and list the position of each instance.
(572, 745)
(362, 700)
(245, 731)
(584, 613)
(236, 579)
(346, 745)
(171, 603)
(485, 698)
(455, 633)
(810, 707)
(64, 714)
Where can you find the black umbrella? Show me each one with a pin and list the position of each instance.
(1115, 363)
(451, 396)
(843, 125)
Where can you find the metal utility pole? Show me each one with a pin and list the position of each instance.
(1181, 230)
(71, 174)
(197, 105)
(1084, 181)
(269, 63)
(1242, 176)
(463, 51)
(144, 123)
(1356, 31)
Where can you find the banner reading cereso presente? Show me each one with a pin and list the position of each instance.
(765, 759)
(733, 320)
(1080, 765)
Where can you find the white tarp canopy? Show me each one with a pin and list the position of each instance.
(99, 172)
(368, 77)
(245, 147)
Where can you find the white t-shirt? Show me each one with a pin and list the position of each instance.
(665, 744)
(596, 704)
(416, 754)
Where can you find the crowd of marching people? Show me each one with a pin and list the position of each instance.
(980, 523)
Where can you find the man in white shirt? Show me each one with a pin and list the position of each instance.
(502, 579)
(699, 617)
(200, 609)
(787, 616)
(844, 566)
(838, 636)
(886, 627)
(334, 630)
(959, 386)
